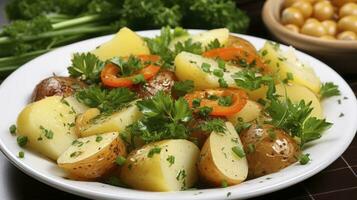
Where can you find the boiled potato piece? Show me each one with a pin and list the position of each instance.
(250, 112)
(125, 43)
(92, 157)
(189, 67)
(171, 168)
(49, 126)
(114, 122)
(269, 149)
(218, 163)
(295, 93)
(77, 106)
(283, 63)
(221, 34)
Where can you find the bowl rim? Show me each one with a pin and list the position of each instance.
(271, 22)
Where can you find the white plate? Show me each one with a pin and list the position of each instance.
(15, 92)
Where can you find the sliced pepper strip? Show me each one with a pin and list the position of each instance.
(239, 100)
(109, 73)
(236, 54)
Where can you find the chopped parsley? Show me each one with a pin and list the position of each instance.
(213, 125)
(196, 103)
(329, 89)
(77, 143)
(225, 101)
(241, 125)
(120, 160)
(304, 159)
(75, 154)
(21, 154)
(251, 148)
(224, 184)
(204, 111)
(153, 151)
(46, 132)
(127, 66)
(139, 78)
(206, 67)
(181, 175)
(98, 138)
(22, 140)
(214, 44)
(238, 150)
(12, 129)
(218, 72)
(222, 83)
(171, 159)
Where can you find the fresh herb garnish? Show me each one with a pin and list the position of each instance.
(163, 118)
(21, 154)
(181, 88)
(12, 129)
(107, 101)
(241, 125)
(204, 111)
(120, 160)
(22, 140)
(329, 89)
(46, 132)
(75, 154)
(213, 125)
(86, 67)
(98, 138)
(238, 150)
(304, 159)
(214, 44)
(225, 101)
(294, 118)
(127, 66)
(224, 184)
(153, 151)
(171, 159)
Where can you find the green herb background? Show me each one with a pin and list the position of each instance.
(39, 26)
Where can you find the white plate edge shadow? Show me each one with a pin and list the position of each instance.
(271, 185)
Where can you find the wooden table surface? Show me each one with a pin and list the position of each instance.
(338, 181)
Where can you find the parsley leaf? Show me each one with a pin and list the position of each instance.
(217, 125)
(294, 118)
(214, 44)
(153, 151)
(86, 67)
(163, 118)
(329, 89)
(251, 80)
(181, 88)
(127, 66)
(105, 100)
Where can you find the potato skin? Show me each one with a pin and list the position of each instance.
(271, 154)
(97, 165)
(56, 86)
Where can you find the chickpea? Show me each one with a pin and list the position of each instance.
(348, 9)
(348, 23)
(288, 3)
(323, 10)
(292, 16)
(330, 26)
(292, 28)
(328, 37)
(304, 6)
(340, 3)
(313, 28)
(347, 35)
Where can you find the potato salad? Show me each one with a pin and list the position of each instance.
(177, 111)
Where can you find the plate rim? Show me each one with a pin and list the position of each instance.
(93, 194)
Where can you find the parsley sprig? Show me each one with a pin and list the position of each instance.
(329, 89)
(86, 67)
(163, 118)
(105, 100)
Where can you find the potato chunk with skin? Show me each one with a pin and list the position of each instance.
(218, 163)
(168, 165)
(124, 43)
(270, 149)
(117, 121)
(92, 157)
(49, 126)
(189, 67)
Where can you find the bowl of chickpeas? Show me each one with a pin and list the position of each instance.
(327, 29)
